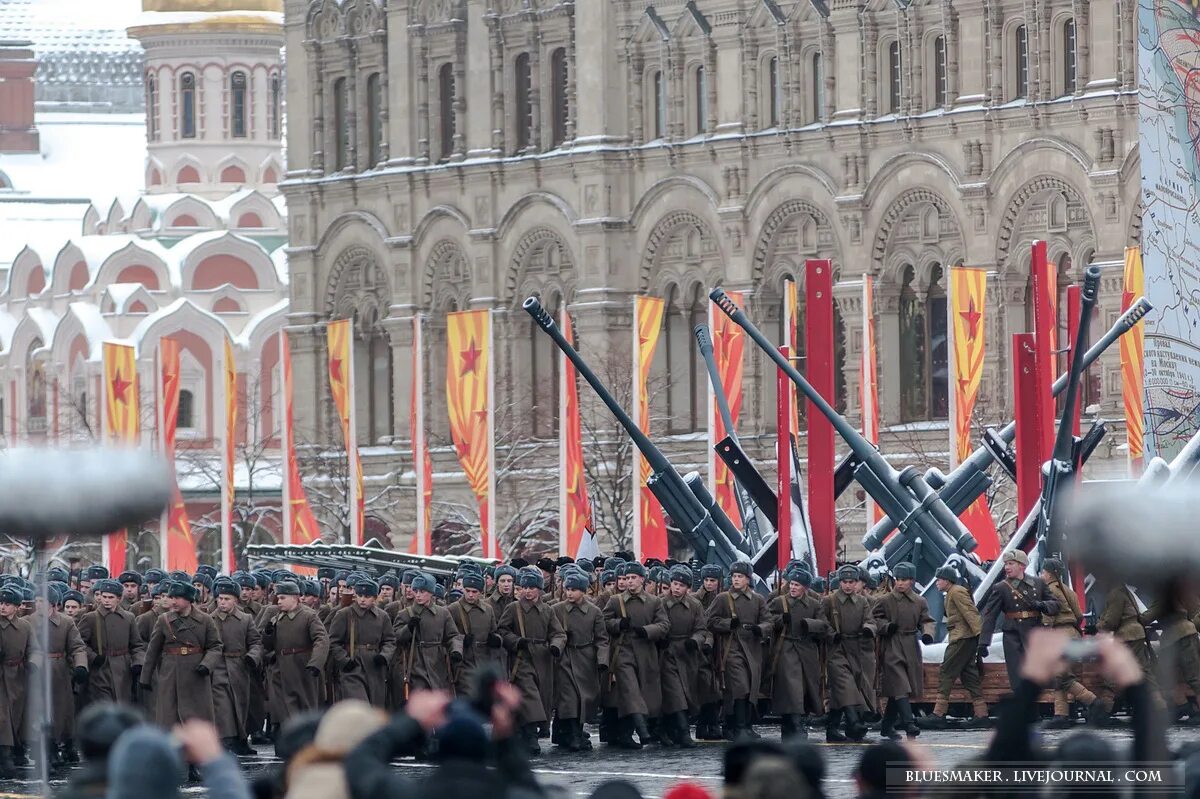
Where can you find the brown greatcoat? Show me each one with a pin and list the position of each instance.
(901, 617)
(847, 680)
(363, 636)
(145, 626)
(709, 689)
(578, 678)
(477, 621)
(16, 649)
(179, 645)
(679, 661)
(532, 669)
(115, 637)
(235, 679)
(424, 658)
(66, 652)
(740, 651)
(637, 678)
(796, 654)
(294, 642)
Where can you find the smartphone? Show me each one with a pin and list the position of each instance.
(1079, 650)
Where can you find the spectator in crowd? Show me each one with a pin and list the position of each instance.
(145, 763)
(98, 728)
(317, 771)
(294, 735)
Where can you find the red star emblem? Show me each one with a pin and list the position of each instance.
(470, 357)
(971, 317)
(335, 369)
(119, 387)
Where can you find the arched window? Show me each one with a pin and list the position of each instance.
(686, 390)
(187, 105)
(700, 84)
(1021, 87)
(379, 386)
(941, 88)
(1069, 55)
(774, 96)
(817, 111)
(660, 105)
(374, 119)
(559, 108)
(446, 121)
(341, 125)
(187, 405)
(923, 355)
(237, 105)
(893, 81)
(275, 109)
(152, 107)
(523, 78)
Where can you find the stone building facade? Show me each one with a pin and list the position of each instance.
(453, 154)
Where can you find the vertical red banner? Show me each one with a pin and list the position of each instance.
(575, 511)
(868, 385)
(818, 341)
(1028, 440)
(649, 524)
(729, 342)
(783, 451)
(122, 426)
(1133, 374)
(299, 524)
(1044, 291)
(469, 401)
(177, 541)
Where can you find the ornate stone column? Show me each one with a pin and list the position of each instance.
(422, 59)
(638, 124)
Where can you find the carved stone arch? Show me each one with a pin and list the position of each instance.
(325, 23)
(541, 260)
(447, 276)
(797, 228)
(906, 221)
(681, 242)
(358, 288)
(1021, 215)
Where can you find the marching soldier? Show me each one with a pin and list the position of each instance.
(584, 662)
(961, 659)
(115, 650)
(795, 670)
(427, 642)
(362, 642)
(739, 617)
(1178, 641)
(687, 640)
(848, 615)
(900, 616)
(1066, 687)
(16, 649)
(1021, 600)
(1120, 618)
(67, 660)
(185, 649)
(636, 622)
(708, 725)
(131, 586)
(297, 646)
(236, 676)
(478, 622)
(534, 639)
(505, 589)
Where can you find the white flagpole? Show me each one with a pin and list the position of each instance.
(493, 533)
(637, 456)
(564, 365)
(285, 436)
(419, 433)
(352, 460)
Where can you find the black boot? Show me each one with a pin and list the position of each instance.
(710, 715)
(556, 732)
(56, 760)
(638, 722)
(20, 756)
(7, 770)
(683, 732)
(621, 735)
(887, 728)
(608, 724)
(661, 731)
(733, 723)
(787, 726)
(567, 738)
(194, 774)
(907, 722)
(748, 721)
(70, 754)
(531, 740)
(832, 734)
(243, 749)
(543, 730)
(856, 730)
(802, 727)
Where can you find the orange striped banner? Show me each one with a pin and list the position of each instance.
(228, 487)
(868, 381)
(791, 313)
(122, 426)
(422, 540)
(649, 525)
(341, 385)
(178, 544)
(469, 402)
(968, 298)
(1133, 369)
(575, 511)
(299, 524)
(729, 345)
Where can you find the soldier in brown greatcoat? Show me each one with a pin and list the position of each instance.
(961, 659)
(115, 650)
(479, 624)
(185, 649)
(297, 646)
(131, 586)
(427, 643)
(636, 622)
(584, 662)
(739, 619)
(16, 649)
(403, 597)
(362, 643)
(236, 676)
(901, 615)
(687, 640)
(534, 639)
(795, 668)
(1020, 600)
(708, 725)
(1067, 688)
(848, 615)
(1120, 617)
(506, 586)
(145, 621)
(67, 658)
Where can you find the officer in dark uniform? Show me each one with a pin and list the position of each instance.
(1017, 603)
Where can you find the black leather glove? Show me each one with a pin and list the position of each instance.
(249, 661)
(802, 626)
(625, 623)
(468, 641)
(869, 632)
(80, 675)
(522, 644)
(836, 639)
(734, 621)
(887, 628)
(350, 666)
(926, 639)
(313, 670)
(414, 622)
(602, 667)
(137, 671)
(753, 629)
(640, 632)
(706, 649)
(982, 652)
(555, 650)
(99, 662)
(455, 656)
(201, 669)
(495, 641)
(268, 636)
(691, 645)
(380, 659)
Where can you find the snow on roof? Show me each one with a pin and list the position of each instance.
(46, 321)
(120, 294)
(196, 471)
(280, 260)
(265, 316)
(148, 18)
(42, 227)
(8, 325)
(96, 26)
(95, 327)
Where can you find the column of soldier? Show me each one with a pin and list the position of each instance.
(645, 650)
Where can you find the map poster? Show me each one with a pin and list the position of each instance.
(1169, 122)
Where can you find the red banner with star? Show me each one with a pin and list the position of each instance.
(179, 546)
(729, 345)
(299, 525)
(868, 383)
(341, 385)
(121, 426)
(575, 511)
(1044, 289)
(1133, 371)
(968, 297)
(650, 527)
(469, 402)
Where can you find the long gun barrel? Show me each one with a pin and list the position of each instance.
(956, 492)
(903, 496)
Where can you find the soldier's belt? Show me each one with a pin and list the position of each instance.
(913, 631)
(365, 647)
(295, 651)
(852, 635)
(1063, 625)
(1021, 614)
(55, 655)
(429, 644)
(14, 662)
(584, 645)
(233, 654)
(680, 637)
(116, 653)
(182, 651)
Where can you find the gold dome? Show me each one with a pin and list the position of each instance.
(212, 5)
